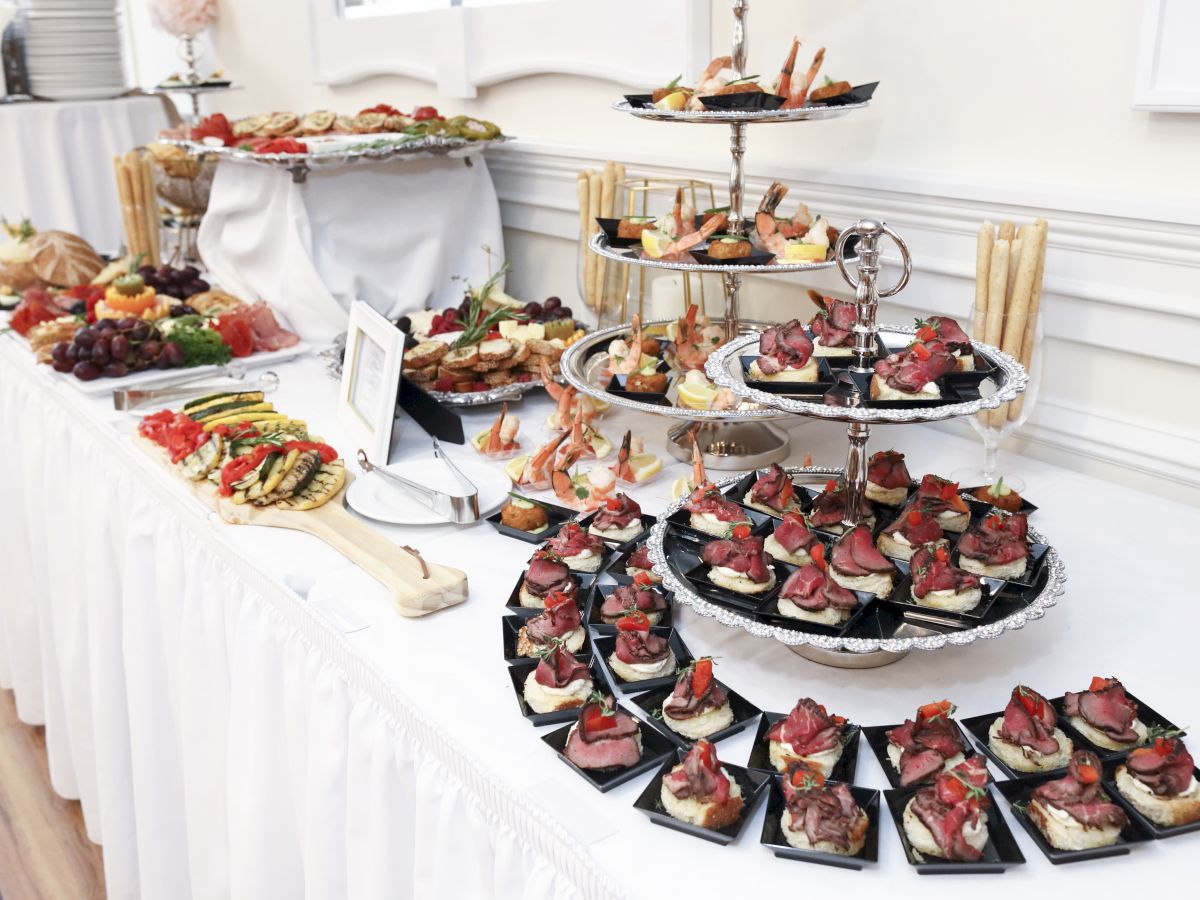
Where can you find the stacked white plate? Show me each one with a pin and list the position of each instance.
(73, 49)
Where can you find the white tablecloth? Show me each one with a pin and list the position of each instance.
(228, 740)
(392, 234)
(57, 161)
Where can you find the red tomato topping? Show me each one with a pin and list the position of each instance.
(612, 503)
(328, 454)
(949, 491)
(1163, 746)
(914, 517)
(595, 719)
(742, 531)
(934, 710)
(1098, 683)
(831, 485)
(920, 351)
(817, 553)
(28, 315)
(801, 775)
(421, 113)
(643, 579)
(940, 553)
(702, 676)
(176, 433)
(556, 598)
(635, 620)
(1088, 774)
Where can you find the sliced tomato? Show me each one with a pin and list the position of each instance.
(237, 333)
(557, 598)
(742, 531)
(595, 719)
(914, 517)
(643, 579)
(817, 554)
(702, 676)
(635, 620)
(421, 113)
(935, 710)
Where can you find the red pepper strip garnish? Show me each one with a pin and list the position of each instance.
(940, 553)
(595, 719)
(636, 620)
(556, 598)
(920, 351)
(914, 517)
(934, 710)
(328, 454)
(1098, 683)
(612, 503)
(1088, 774)
(817, 553)
(643, 579)
(741, 532)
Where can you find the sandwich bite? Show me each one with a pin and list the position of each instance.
(1105, 715)
(831, 508)
(939, 585)
(821, 817)
(619, 519)
(791, 541)
(1074, 812)
(948, 819)
(915, 527)
(639, 655)
(1160, 782)
(833, 326)
(947, 332)
(858, 566)
(560, 681)
(887, 478)
(712, 513)
(604, 737)
(699, 791)
(918, 750)
(773, 492)
(1026, 738)
(559, 624)
(912, 373)
(995, 546)
(641, 596)
(939, 497)
(740, 563)
(547, 574)
(640, 563)
(698, 707)
(811, 595)
(785, 355)
(808, 736)
(577, 548)
(729, 246)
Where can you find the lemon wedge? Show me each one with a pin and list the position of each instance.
(515, 467)
(674, 101)
(696, 396)
(681, 486)
(645, 466)
(655, 243)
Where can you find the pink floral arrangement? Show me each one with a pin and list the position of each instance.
(183, 18)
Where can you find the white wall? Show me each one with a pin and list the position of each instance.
(984, 111)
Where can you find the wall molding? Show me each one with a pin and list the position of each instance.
(1119, 280)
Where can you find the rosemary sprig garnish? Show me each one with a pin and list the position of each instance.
(478, 325)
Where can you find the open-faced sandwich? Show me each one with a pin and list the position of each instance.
(948, 819)
(809, 735)
(1000, 495)
(580, 550)
(560, 681)
(700, 791)
(559, 623)
(649, 379)
(995, 546)
(619, 519)
(640, 563)
(810, 594)
(1105, 715)
(830, 508)
(641, 595)
(791, 541)
(524, 514)
(712, 513)
(821, 817)
(912, 373)
(639, 655)
(919, 750)
(1160, 782)
(939, 585)
(940, 498)
(773, 492)
(857, 565)
(785, 354)
(887, 478)
(833, 326)
(914, 528)
(1027, 737)
(739, 563)
(547, 574)
(604, 737)
(948, 333)
(1074, 812)
(698, 707)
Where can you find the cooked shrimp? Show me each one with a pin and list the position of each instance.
(631, 361)
(798, 92)
(537, 472)
(785, 74)
(679, 248)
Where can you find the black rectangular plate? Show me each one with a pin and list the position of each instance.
(756, 258)
(640, 101)
(519, 671)
(511, 628)
(1018, 792)
(605, 558)
(837, 363)
(753, 784)
(843, 770)
(1000, 854)
(1033, 568)
(949, 396)
(798, 388)
(680, 520)
(653, 399)
(557, 517)
(609, 227)
(902, 597)
(1155, 830)
(647, 523)
(514, 607)
(982, 507)
(601, 591)
(1149, 717)
(698, 578)
(774, 840)
(739, 492)
(744, 712)
(876, 738)
(655, 748)
(742, 100)
(604, 642)
(858, 94)
(881, 621)
(978, 726)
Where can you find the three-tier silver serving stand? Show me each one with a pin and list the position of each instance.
(740, 438)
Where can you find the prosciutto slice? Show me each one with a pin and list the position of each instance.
(1029, 721)
(619, 512)
(932, 571)
(743, 555)
(955, 802)
(830, 506)
(888, 470)
(925, 746)
(808, 729)
(553, 622)
(855, 554)
(1105, 707)
(908, 371)
(809, 589)
(825, 812)
(631, 596)
(558, 668)
(268, 334)
(1167, 768)
(699, 776)
(773, 488)
(1078, 793)
(834, 321)
(997, 539)
(785, 346)
(792, 533)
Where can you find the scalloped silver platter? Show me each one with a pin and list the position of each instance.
(427, 147)
(672, 581)
(724, 369)
(482, 398)
(740, 117)
(599, 244)
(579, 370)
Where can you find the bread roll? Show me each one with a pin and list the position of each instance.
(63, 259)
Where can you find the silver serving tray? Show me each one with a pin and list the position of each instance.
(740, 116)
(724, 369)
(675, 583)
(599, 244)
(427, 147)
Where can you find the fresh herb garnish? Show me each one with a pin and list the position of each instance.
(517, 496)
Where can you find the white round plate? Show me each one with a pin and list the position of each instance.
(374, 497)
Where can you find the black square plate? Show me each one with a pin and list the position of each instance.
(653, 399)
(1017, 794)
(839, 363)
(843, 769)
(647, 523)
(742, 100)
(698, 577)
(769, 612)
(605, 559)
(756, 258)
(604, 642)
(655, 748)
(744, 712)
(879, 621)
(876, 738)
(680, 520)
(616, 568)
(1037, 553)
(753, 784)
(774, 840)
(640, 101)
(978, 727)
(1153, 828)
(582, 595)
(858, 94)
(600, 593)
(798, 388)
(1152, 719)
(1000, 853)
(610, 226)
(511, 628)
(519, 671)
(903, 598)
(557, 517)
(982, 507)
(949, 396)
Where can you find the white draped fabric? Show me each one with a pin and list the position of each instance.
(57, 161)
(392, 234)
(229, 737)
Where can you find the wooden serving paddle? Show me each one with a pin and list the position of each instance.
(417, 587)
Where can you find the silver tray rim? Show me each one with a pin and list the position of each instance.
(740, 117)
(427, 147)
(599, 245)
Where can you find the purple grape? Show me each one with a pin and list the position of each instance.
(173, 354)
(149, 350)
(141, 332)
(105, 325)
(129, 323)
(119, 346)
(162, 362)
(63, 366)
(146, 271)
(565, 313)
(164, 273)
(73, 352)
(59, 352)
(86, 371)
(552, 303)
(140, 365)
(116, 370)
(196, 286)
(100, 354)
(190, 273)
(85, 337)
(82, 354)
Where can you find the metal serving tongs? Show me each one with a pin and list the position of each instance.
(128, 399)
(457, 508)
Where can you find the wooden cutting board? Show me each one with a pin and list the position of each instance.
(417, 587)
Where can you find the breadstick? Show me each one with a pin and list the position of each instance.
(997, 286)
(585, 232)
(983, 261)
(124, 198)
(152, 218)
(1018, 310)
(594, 191)
(141, 241)
(1031, 318)
(1007, 231)
(608, 182)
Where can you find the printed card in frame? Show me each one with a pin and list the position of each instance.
(370, 380)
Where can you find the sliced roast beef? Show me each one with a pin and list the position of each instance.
(917, 524)
(997, 539)
(937, 495)
(572, 540)
(773, 488)
(908, 371)
(809, 729)
(931, 571)
(743, 555)
(555, 622)
(1167, 768)
(926, 744)
(640, 559)
(699, 776)
(824, 812)
(707, 499)
(558, 668)
(603, 737)
(887, 469)
(631, 596)
(792, 533)
(809, 589)
(1029, 721)
(829, 507)
(548, 574)
(1106, 707)
(1078, 793)
(949, 333)
(955, 802)
(834, 321)
(640, 647)
(785, 346)
(619, 512)
(855, 554)
(685, 703)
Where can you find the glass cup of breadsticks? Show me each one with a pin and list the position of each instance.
(1007, 313)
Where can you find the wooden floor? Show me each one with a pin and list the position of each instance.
(44, 850)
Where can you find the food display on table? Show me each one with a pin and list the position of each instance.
(1160, 783)
(820, 816)
(560, 681)
(832, 326)
(1105, 715)
(949, 818)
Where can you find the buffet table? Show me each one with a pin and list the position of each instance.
(242, 714)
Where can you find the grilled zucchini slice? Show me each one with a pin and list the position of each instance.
(323, 488)
(297, 478)
(265, 471)
(197, 464)
(265, 418)
(225, 410)
(201, 403)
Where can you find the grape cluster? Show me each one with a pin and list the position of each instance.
(182, 283)
(451, 319)
(113, 348)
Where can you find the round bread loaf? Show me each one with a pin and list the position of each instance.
(63, 259)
